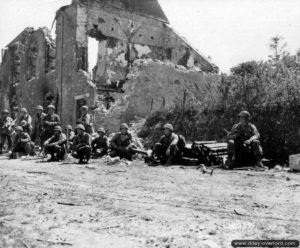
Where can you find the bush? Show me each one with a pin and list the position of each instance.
(269, 90)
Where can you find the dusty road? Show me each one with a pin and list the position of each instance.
(71, 205)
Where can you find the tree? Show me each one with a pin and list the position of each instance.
(278, 47)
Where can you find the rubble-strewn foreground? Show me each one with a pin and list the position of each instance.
(70, 205)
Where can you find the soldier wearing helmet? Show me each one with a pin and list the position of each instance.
(56, 145)
(51, 120)
(22, 142)
(100, 144)
(86, 120)
(122, 144)
(169, 148)
(25, 121)
(6, 130)
(38, 126)
(81, 148)
(243, 140)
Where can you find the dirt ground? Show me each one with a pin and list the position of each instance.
(71, 205)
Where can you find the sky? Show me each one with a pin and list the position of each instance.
(229, 31)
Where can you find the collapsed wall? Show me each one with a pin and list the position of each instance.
(155, 85)
(27, 70)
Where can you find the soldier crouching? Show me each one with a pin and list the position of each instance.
(100, 144)
(243, 143)
(22, 143)
(81, 148)
(121, 144)
(170, 147)
(55, 146)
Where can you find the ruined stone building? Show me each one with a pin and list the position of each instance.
(142, 64)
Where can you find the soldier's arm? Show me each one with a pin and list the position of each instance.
(233, 134)
(175, 140)
(113, 141)
(62, 139)
(56, 122)
(256, 135)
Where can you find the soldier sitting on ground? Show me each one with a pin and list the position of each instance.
(243, 143)
(100, 144)
(51, 120)
(6, 130)
(55, 146)
(25, 121)
(22, 143)
(81, 148)
(38, 127)
(170, 147)
(122, 144)
(70, 137)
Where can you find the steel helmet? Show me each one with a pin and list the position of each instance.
(5, 111)
(24, 110)
(18, 128)
(124, 126)
(101, 130)
(245, 114)
(169, 126)
(58, 128)
(51, 106)
(39, 107)
(80, 126)
(69, 127)
(84, 107)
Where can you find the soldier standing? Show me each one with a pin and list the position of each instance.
(170, 146)
(6, 124)
(100, 144)
(38, 127)
(243, 140)
(56, 145)
(122, 144)
(86, 120)
(51, 120)
(25, 121)
(82, 145)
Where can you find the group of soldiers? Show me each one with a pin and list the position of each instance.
(23, 135)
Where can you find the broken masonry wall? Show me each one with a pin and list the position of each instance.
(26, 70)
(155, 86)
(125, 36)
(72, 80)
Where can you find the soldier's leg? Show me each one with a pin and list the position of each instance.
(159, 152)
(50, 150)
(257, 151)
(113, 153)
(88, 152)
(27, 148)
(60, 152)
(173, 154)
(3, 138)
(81, 154)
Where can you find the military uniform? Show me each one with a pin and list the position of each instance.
(38, 129)
(100, 146)
(175, 143)
(6, 132)
(86, 121)
(121, 146)
(22, 142)
(27, 126)
(50, 121)
(238, 150)
(56, 146)
(81, 147)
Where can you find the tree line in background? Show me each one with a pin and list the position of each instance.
(270, 90)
